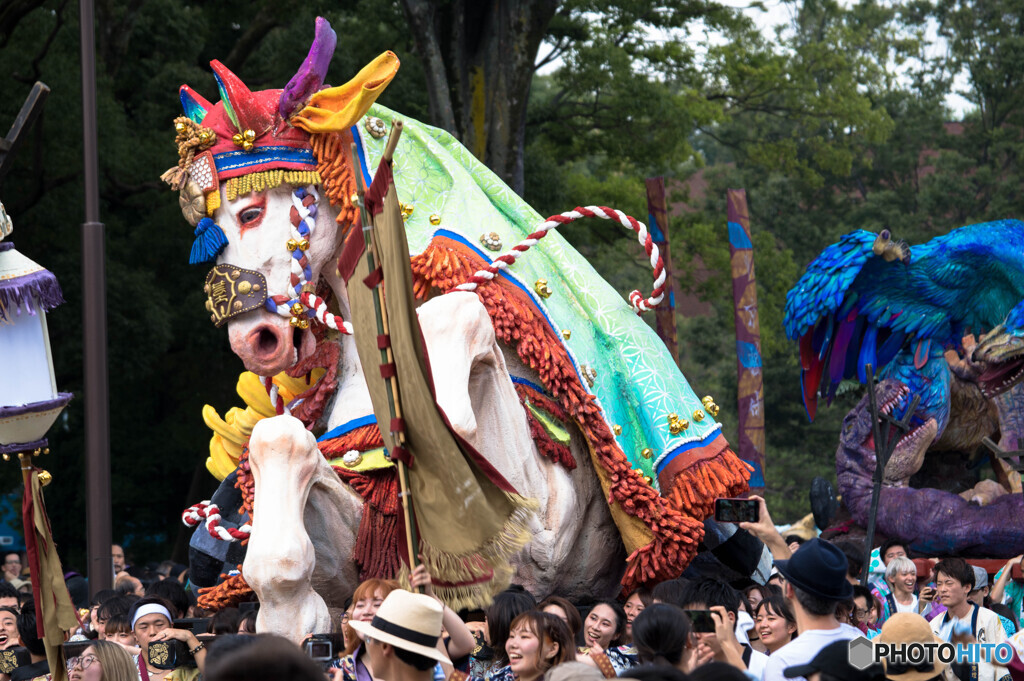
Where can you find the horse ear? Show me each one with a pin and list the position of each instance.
(313, 71)
(194, 104)
(241, 106)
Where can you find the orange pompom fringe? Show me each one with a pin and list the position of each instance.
(227, 594)
(693, 491)
(336, 174)
(676, 533)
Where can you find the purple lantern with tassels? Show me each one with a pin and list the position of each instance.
(29, 401)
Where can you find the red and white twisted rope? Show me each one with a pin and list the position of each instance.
(275, 396)
(636, 299)
(319, 307)
(193, 515)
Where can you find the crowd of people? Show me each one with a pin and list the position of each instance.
(799, 624)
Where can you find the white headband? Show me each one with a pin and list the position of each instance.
(151, 609)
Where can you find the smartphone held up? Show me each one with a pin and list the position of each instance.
(737, 510)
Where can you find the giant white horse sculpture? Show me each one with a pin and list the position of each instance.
(265, 176)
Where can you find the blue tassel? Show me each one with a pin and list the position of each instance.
(210, 241)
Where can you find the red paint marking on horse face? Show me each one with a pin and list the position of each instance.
(250, 215)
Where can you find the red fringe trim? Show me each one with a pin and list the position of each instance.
(558, 453)
(675, 536)
(376, 550)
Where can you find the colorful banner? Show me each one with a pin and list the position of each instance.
(657, 221)
(748, 339)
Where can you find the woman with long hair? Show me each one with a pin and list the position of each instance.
(635, 603)
(103, 661)
(603, 630)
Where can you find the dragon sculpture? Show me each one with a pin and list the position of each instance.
(910, 312)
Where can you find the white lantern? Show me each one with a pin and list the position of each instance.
(29, 401)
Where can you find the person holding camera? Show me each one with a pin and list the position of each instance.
(152, 623)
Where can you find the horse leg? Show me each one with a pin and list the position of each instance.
(573, 536)
(293, 487)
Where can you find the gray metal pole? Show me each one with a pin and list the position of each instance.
(94, 326)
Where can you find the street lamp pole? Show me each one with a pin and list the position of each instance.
(94, 326)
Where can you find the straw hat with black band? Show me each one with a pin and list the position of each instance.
(408, 621)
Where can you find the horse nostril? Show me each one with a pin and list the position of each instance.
(267, 342)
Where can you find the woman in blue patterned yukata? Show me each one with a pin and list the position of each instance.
(603, 629)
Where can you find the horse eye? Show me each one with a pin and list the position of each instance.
(250, 215)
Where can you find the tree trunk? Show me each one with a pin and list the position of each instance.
(479, 56)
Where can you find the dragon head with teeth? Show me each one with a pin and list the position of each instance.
(1001, 354)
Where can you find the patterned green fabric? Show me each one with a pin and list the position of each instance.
(637, 384)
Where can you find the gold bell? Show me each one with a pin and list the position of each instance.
(647, 479)
(617, 429)
(205, 136)
(179, 128)
(295, 322)
(7, 457)
(647, 452)
(709, 403)
(406, 210)
(296, 309)
(45, 478)
(435, 220)
(303, 323)
(566, 334)
(677, 425)
(291, 244)
(542, 288)
(244, 139)
(304, 245)
(698, 415)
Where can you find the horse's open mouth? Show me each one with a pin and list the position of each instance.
(999, 378)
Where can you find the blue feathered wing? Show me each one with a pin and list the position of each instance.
(852, 308)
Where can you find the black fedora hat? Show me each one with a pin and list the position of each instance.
(819, 568)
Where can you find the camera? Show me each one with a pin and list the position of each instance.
(319, 647)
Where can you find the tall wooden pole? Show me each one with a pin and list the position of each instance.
(750, 392)
(657, 219)
(94, 330)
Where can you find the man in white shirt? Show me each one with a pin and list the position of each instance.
(964, 620)
(815, 584)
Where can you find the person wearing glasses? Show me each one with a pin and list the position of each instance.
(102, 661)
(11, 566)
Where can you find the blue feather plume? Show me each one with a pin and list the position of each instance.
(210, 241)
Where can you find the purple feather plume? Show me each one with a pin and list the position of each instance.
(18, 292)
(311, 75)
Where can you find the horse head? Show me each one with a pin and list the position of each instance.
(265, 178)
(261, 228)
